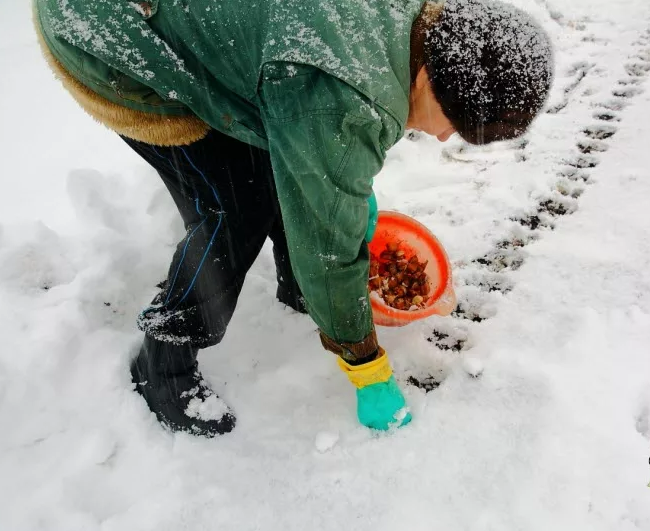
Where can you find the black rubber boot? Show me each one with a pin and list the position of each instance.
(292, 299)
(167, 376)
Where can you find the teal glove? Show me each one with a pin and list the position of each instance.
(380, 403)
(373, 214)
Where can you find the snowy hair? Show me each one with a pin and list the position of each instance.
(490, 66)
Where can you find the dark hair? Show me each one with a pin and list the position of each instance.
(490, 66)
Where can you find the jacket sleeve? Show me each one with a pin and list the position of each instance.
(326, 142)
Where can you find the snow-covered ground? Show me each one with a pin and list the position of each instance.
(541, 419)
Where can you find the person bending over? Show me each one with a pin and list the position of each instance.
(272, 122)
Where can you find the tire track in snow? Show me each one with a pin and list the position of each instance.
(477, 301)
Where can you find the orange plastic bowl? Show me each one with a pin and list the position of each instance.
(413, 238)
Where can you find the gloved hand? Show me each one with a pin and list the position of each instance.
(380, 403)
(373, 214)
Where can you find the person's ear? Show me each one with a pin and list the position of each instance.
(422, 79)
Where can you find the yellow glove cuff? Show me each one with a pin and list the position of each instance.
(375, 371)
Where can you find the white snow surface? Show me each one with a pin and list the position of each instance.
(209, 408)
(542, 417)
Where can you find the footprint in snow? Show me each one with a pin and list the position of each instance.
(600, 131)
(590, 146)
(454, 340)
(627, 92)
(583, 161)
(607, 116)
(637, 68)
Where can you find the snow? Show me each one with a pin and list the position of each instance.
(210, 408)
(473, 366)
(541, 419)
(326, 440)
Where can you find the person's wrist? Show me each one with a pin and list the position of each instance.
(375, 370)
(350, 352)
(362, 361)
(373, 215)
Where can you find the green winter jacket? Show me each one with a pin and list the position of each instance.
(321, 84)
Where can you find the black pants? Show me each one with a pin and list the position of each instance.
(225, 193)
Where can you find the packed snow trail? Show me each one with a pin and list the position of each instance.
(540, 414)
